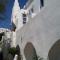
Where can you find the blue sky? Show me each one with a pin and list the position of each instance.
(22, 3)
(6, 21)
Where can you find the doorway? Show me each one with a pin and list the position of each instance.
(30, 52)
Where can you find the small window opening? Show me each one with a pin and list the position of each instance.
(32, 10)
(41, 3)
(24, 18)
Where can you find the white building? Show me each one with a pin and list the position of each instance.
(42, 30)
(17, 20)
(34, 6)
(16, 15)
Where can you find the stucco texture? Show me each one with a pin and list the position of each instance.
(43, 30)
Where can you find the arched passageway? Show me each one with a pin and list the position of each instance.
(54, 53)
(30, 52)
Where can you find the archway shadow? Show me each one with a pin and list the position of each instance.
(54, 52)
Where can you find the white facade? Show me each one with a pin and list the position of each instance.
(16, 15)
(35, 5)
(43, 30)
(16, 19)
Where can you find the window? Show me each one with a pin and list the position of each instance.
(24, 15)
(24, 18)
(41, 3)
(32, 10)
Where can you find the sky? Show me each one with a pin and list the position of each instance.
(22, 3)
(5, 22)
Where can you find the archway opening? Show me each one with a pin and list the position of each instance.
(30, 52)
(54, 53)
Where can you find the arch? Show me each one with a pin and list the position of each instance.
(54, 52)
(30, 52)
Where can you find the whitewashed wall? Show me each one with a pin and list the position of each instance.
(43, 30)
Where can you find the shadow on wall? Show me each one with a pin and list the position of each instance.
(1, 34)
(54, 53)
(30, 52)
(1, 56)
